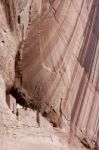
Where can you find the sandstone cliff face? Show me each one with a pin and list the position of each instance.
(59, 41)
(12, 31)
(60, 57)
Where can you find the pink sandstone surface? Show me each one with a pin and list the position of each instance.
(49, 48)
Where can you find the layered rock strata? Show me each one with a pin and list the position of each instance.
(60, 59)
(58, 44)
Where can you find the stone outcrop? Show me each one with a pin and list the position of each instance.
(50, 50)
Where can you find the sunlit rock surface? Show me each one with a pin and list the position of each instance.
(61, 61)
(59, 44)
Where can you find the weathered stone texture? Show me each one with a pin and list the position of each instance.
(60, 56)
(59, 44)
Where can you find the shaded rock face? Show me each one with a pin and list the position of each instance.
(58, 43)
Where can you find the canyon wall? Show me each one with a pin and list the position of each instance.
(60, 59)
(58, 43)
